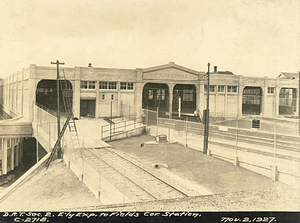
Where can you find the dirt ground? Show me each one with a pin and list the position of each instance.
(56, 188)
(214, 174)
(233, 188)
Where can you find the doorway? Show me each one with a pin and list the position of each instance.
(87, 108)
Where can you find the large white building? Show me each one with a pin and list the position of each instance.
(100, 92)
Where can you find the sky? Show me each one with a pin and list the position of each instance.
(248, 37)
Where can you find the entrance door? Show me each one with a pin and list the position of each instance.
(87, 108)
(252, 100)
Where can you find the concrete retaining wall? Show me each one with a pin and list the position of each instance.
(279, 169)
(126, 134)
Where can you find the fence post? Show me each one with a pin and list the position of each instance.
(274, 167)
(134, 122)
(186, 131)
(147, 114)
(156, 120)
(129, 111)
(236, 161)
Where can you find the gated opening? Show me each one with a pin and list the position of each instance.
(156, 95)
(46, 94)
(287, 101)
(252, 100)
(186, 94)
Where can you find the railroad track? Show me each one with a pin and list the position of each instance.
(133, 181)
(283, 142)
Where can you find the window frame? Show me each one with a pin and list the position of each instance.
(272, 89)
(103, 85)
(224, 88)
(231, 87)
(112, 85)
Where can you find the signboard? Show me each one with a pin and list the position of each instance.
(170, 74)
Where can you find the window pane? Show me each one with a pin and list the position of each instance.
(130, 86)
(91, 84)
(123, 86)
(150, 92)
(212, 88)
(221, 88)
(163, 95)
(102, 85)
(112, 85)
(83, 84)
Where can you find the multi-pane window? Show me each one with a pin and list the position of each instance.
(150, 94)
(232, 89)
(103, 97)
(188, 95)
(112, 97)
(130, 86)
(160, 95)
(84, 84)
(221, 89)
(112, 85)
(126, 86)
(87, 84)
(102, 85)
(107, 85)
(271, 90)
(211, 88)
(252, 96)
(91, 85)
(123, 85)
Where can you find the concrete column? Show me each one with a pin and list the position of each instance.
(22, 149)
(240, 96)
(32, 84)
(276, 107)
(12, 164)
(202, 98)
(4, 161)
(226, 103)
(264, 105)
(138, 96)
(277, 92)
(97, 100)
(198, 96)
(240, 101)
(171, 86)
(119, 100)
(76, 92)
(17, 152)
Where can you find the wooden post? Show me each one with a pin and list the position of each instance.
(58, 109)
(205, 141)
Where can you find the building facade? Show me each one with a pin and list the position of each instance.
(170, 88)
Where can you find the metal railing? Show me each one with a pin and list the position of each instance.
(120, 126)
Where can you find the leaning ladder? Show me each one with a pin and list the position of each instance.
(57, 144)
(67, 93)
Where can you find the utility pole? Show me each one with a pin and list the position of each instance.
(58, 109)
(206, 124)
(299, 103)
